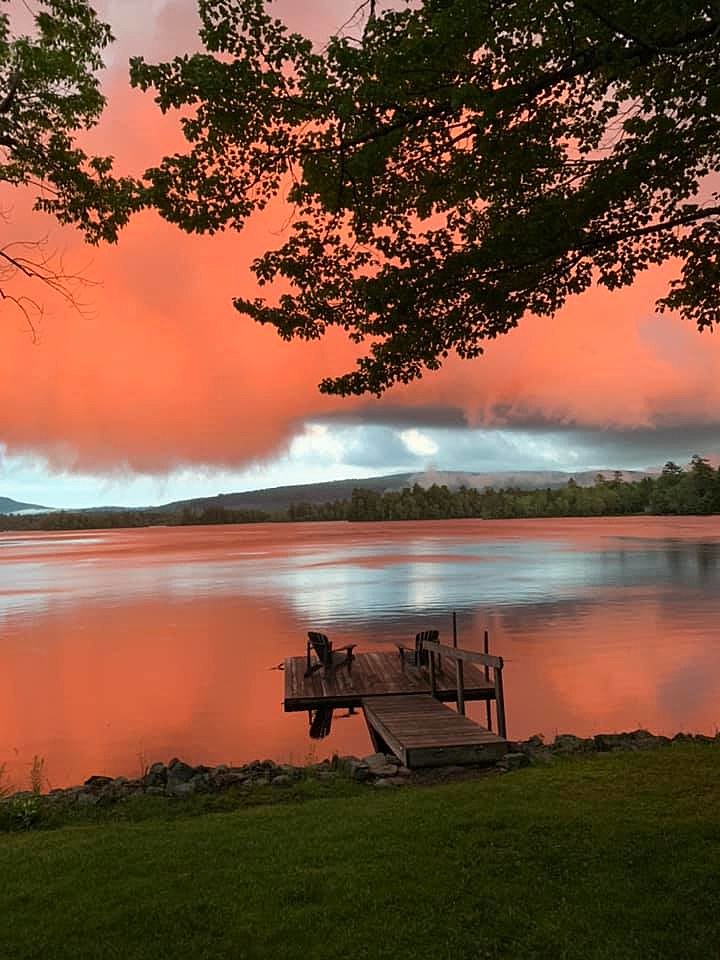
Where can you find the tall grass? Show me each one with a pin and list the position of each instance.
(38, 779)
(6, 788)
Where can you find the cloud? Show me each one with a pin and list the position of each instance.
(159, 372)
(419, 444)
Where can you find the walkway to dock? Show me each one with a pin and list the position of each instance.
(422, 732)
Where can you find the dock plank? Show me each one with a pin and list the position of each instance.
(422, 732)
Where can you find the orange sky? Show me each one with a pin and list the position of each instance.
(160, 371)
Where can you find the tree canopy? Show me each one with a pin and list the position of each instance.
(452, 164)
(49, 95)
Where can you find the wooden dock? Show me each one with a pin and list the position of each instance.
(422, 732)
(378, 674)
(403, 703)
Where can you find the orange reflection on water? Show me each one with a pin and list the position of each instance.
(122, 648)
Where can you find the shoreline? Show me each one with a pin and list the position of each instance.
(267, 781)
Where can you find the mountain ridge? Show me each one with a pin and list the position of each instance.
(280, 498)
(8, 505)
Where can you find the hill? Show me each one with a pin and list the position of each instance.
(280, 498)
(7, 505)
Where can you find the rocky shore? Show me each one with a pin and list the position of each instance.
(177, 780)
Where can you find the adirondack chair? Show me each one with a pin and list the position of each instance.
(417, 657)
(326, 657)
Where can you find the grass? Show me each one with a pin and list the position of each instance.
(616, 856)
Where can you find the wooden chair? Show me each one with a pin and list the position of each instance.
(327, 658)
(418, 657)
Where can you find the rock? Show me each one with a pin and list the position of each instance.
(387, 782)
(87, 798)
(97, 783)
(682, 738)
(381, 765)
(156, 776)
(636, 740)
(535, 748)
(186, 789)
(155, 791)
(177, 773)
(605, 742)
(201, 782)
(282, 780)
(514, 761)
(403, 772)
(261, 781)
(568, 743)
(644, 740)
(358, 770)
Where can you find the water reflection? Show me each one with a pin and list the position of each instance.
(129, 646)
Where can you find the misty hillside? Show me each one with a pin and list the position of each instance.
(7, 505)
(280, 498)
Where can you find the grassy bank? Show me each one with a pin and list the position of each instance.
(616, 856)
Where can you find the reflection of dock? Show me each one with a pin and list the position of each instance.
(403, 703)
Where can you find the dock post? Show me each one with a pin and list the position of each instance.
(500, 700)
(431, 665)
(459, 678)
(454, 629)
(486, 651)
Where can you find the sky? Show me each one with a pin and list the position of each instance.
(157, 389)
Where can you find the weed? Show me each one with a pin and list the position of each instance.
(38, 778)
(6, 788)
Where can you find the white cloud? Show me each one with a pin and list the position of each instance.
(318, 441)
(419, 444)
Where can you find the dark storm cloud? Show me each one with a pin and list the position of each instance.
(395, 415)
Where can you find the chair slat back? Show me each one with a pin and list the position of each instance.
(322, 646)
(421, 656)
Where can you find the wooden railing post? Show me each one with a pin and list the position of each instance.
(486, 650)
(459, 678)
(500, 700)
(431, 665)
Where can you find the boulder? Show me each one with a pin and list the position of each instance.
(535, 749)
(200, 782)
(381, 765)
(156, 776)
(513, 761)
(358, 770)
(568, 743)
(87, 798)
(635, 740)
(282, 780)
(96, 783)
(177, 773)
(186, 789)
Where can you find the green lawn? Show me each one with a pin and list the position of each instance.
(617, 856)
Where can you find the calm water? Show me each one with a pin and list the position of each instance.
(120, 648)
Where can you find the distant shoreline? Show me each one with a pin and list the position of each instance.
(674, 492)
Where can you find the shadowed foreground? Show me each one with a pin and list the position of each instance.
(616, 856)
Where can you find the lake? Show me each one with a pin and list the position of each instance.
(124, 647)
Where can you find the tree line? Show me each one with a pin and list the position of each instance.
(691, 491)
